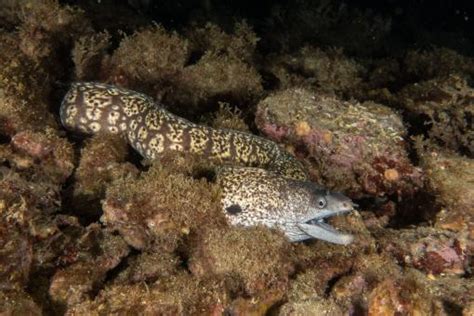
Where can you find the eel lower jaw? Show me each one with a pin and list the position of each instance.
(317, 228)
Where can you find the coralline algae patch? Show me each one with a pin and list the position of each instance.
(354, 147)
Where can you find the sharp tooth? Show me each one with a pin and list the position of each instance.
(326, 232)
(326, 214)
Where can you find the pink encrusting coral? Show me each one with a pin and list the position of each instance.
(355, 147)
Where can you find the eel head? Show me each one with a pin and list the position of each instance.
(311, 223)
(299, 208)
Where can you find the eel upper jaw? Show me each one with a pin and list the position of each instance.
(317, 228)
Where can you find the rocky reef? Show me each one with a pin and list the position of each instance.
(89, 227)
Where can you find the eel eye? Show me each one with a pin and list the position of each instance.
(321, 202)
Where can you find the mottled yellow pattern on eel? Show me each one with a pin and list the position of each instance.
(94, 107)
(270, 188)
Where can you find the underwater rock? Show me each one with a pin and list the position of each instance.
(176, 295)
(322, 71)
(163, 206)
(311, 307)
(255, 305)
(47, 27)
(436, 62)
(214, 78)
(88, 54)
(32, 236)
(149, 266)
(102, 162)
(227, 117)
(312, 284)
(223, 70)
(450, 177)
(142, 65)
(431, 250)
(27, 204)
(124, 299)
(241, 44)
(30, 195)
(469, 309)
(9, 9)
(256, 256)
(45, 154)
(355, 148)
(445, 107)
(23, 91)
(350, 287)
(186, 259)
(404, 296)
(18, 302)
(16, 254)
(96, 253)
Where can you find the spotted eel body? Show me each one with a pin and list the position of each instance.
(270, 189)
(92, 108)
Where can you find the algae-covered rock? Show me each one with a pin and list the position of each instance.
(311, 307)
(446, 106)
(323, 71)
(437, 62)
(16, 254)
(23, 90)
(431, 250)
(156, 61)
(312, 284)
(88, 54)
(149, 266)
(256, 256)
(350, 288)
(469, 309)
(102, 162)
(47, 27)
(228, 117)
(32, 236)
(450, 177)
(383, 286)
(186, 259)
(9, 9)
(96, 253)
(354, 147)
(161, 205)
(240, 44)
(177, 295)
(45, 154)
(149, 57)
(18, 302)
(214, 78)
(29, 205)
(30, 198)
(129, 299)
(402, 296)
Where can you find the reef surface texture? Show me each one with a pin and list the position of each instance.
(87, 226)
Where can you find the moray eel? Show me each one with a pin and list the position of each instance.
(262, 184)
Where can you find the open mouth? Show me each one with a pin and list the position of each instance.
(319, 229)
